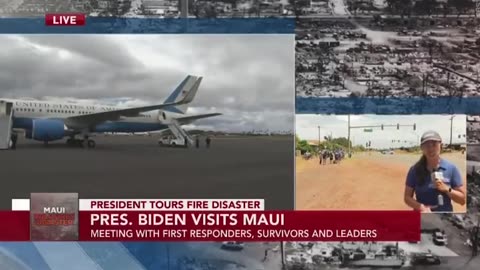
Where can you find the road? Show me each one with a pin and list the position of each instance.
(339, 7)
(456, 237)
(365, 182)
(136, 167)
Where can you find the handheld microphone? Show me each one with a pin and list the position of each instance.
(437, 174)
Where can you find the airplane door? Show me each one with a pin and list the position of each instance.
(5, 123)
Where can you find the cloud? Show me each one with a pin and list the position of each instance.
(248, 78)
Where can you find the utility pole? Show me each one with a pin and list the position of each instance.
(451, 129)
(282, 253)
(184, 8)
(319, 137)
(349, 144)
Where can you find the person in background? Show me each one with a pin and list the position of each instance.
(208, 140)
(14, 138)
(325, 157)
(197, 142)
(433, 194)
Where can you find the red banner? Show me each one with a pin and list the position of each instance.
(231, 226)
(15, 226)
(65, 19)
(250, 226)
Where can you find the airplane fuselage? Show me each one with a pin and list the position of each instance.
(26, 111)
(50, 121)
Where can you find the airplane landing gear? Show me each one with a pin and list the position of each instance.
(81, 143)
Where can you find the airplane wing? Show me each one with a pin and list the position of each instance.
(84, 121)
(188, 119)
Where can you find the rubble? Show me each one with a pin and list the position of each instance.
(343, 57)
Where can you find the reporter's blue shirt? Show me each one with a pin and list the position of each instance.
(427, 194)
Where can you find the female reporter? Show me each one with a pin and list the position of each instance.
(424, 179)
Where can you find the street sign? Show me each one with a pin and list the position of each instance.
(367, 130)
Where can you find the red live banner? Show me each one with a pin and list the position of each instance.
(249, 226)
(65, 19)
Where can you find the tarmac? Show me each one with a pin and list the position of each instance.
(137, 167)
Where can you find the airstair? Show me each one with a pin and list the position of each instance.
(6, 115)
(179, 133)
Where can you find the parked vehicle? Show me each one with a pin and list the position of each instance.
(232, 245)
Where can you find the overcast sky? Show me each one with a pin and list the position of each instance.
(248, 78)
(307, 128)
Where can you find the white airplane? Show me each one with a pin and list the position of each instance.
(48, 121)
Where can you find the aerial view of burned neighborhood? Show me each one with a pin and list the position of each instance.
(387, 48)
(152, 8)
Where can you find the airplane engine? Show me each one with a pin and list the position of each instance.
(47, 130)
(163, 117)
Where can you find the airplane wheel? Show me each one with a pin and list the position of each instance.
(70, 142)
(91, 143)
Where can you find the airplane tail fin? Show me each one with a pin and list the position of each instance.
(184, 92)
